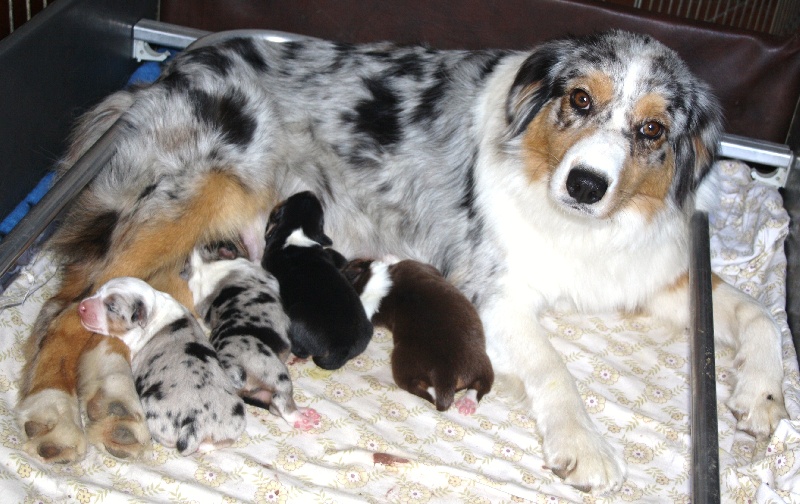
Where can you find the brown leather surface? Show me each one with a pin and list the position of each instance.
(756, 77)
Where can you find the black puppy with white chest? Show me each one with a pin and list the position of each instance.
(328, 321)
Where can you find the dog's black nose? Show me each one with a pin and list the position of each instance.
(585, 186)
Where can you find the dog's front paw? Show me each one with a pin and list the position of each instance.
(117, 424)
(583, 459)
(51, 420)
(757, 410)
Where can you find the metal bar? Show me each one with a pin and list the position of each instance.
(705, 446)
(166, 34)
(57, 198)
(179, 37)
(756, 151)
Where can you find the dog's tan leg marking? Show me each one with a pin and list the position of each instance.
(219, 209)
(48, 412)
(108, 396)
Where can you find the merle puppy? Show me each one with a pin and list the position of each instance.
(328, 320)
(189, 401)
(240, 302)
(439, 345)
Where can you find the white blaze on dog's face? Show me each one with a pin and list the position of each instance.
(613, 127)
(121, 308)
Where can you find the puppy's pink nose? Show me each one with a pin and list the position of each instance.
(85, 311)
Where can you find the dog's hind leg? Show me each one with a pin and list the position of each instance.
(745, 325)
(153, 250)
(48, 411)
(108, 396)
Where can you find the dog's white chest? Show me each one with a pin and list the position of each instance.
(595, 266)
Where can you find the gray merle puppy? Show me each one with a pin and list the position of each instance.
(240, 302)
(189, 401)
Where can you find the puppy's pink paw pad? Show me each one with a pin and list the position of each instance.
(309, 419)
(466, 406)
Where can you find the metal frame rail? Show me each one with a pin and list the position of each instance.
(703, 423)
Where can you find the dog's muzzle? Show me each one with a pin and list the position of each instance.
(585, 186)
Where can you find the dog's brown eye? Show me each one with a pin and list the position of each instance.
(580, 100)
(651, 130)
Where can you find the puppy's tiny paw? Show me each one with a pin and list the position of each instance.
(308, 419)
(466, 406)
(757, 412)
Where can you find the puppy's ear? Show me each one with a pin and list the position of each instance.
(354, 269)
(533, 86)
(139, 313)
(320, 237)
(696, 148)
(276, 215)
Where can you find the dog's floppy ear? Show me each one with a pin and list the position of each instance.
(696, 148)
(533, 86)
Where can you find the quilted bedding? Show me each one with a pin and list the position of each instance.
(377, 443)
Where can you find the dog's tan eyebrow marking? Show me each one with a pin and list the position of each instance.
(598, 84)
(651, 106)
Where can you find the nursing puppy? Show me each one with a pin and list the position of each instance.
(439, 346)
(189, 402)
(240, 302)
(560, 175)
(327, 319)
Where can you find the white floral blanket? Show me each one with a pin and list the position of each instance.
(377, 443)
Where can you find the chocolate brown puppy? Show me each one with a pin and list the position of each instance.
(439, 345)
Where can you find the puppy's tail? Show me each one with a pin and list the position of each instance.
(444, 399)
(445, 387)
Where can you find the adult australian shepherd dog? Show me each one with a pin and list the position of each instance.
(565, 173)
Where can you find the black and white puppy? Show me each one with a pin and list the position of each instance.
(189, 401)
(439, 345)
(240, 302)
(328, 320)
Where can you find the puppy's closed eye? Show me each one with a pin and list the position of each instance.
(139, 313)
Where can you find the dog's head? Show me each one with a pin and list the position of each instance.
(221, 250)
(300, 216)
(612, 122)
(122, 307)
(358, 273)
